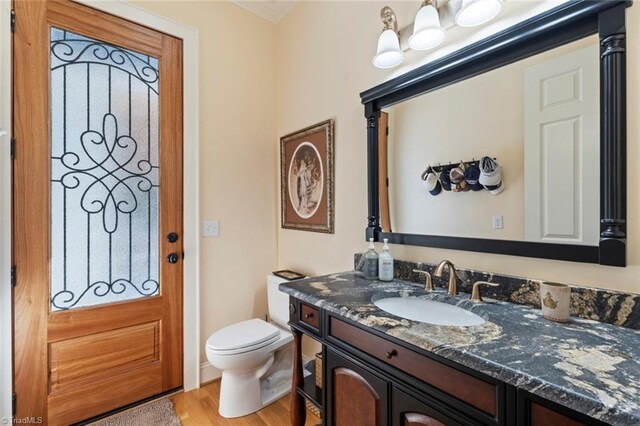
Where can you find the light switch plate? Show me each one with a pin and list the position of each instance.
(210, 228)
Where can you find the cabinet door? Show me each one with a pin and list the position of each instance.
(355, 396)
(409, 411)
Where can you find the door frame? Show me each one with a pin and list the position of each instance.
(191, 275)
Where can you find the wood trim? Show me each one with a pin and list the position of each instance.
(31, 213)
(568, 22)
(468, 389)
(105, 27)
(171, 220)
(383, 168)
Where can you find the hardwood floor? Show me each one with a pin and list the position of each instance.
(199, 407)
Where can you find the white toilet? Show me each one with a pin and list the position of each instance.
(255, 356)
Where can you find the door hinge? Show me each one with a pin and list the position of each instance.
(387, 130)
(13, 276)
(14, 404)
(183, 255)
(13, 21)
(12, 149)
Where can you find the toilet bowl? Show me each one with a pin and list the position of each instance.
(255, 356)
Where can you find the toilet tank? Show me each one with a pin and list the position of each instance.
(278, 301)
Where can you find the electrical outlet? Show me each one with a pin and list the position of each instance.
(498, 222)
(210, 228)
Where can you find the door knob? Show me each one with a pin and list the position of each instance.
(172, 258)
(172, 237)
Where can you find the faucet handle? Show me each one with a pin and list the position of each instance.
(475, 292)
(428, 283)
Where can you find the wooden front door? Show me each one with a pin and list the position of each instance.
(97, 211)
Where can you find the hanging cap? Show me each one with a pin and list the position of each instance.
(456, 175)
(491, 175)
(471, 176)
(432, 184)
(445, 180)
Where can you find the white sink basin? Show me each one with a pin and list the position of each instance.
(428, 311)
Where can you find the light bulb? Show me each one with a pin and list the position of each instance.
(477, 12)
(389, 54)
(427, 31)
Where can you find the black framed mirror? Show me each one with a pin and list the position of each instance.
(573, 22)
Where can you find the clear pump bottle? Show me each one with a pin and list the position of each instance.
(385, 264)
(371, 262)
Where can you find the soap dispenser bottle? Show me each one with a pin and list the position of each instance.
(385, 263)
(371, 262)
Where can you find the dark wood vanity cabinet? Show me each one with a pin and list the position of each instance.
(372, 379)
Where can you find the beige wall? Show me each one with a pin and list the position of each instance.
(237, 157)
(324, 62)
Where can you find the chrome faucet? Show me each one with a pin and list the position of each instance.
(453, 278)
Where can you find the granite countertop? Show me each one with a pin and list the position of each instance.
(588, 366)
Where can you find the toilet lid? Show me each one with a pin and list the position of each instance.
(243, 335)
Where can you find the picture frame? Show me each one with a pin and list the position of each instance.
(307, 178)
(288, 274)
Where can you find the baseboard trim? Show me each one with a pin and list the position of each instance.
(208, 373)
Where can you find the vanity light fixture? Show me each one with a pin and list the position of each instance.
(477, 12)
(427, 30)
(389, 53)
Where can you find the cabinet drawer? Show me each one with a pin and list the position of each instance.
(310, 315)
(306, 316)
(469, 389)
(536, 411)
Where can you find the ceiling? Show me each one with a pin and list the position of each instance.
(272, 10)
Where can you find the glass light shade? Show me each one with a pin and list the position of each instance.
(477, 12)
(389, 54)
(427, 31)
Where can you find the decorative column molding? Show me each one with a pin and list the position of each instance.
(613, 136)
(372, 115)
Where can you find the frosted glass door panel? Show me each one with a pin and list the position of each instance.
(104, 173)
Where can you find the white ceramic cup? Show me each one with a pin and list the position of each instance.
(555, 300)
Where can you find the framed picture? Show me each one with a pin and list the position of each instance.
(306, 179)
(288, 274)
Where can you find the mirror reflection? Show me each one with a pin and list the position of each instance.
(511, 154)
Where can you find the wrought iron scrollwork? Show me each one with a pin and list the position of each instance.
(111, 175)
(76, 51)
(103, 173)
(67, 299)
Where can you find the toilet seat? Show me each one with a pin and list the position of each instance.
(243, 337)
